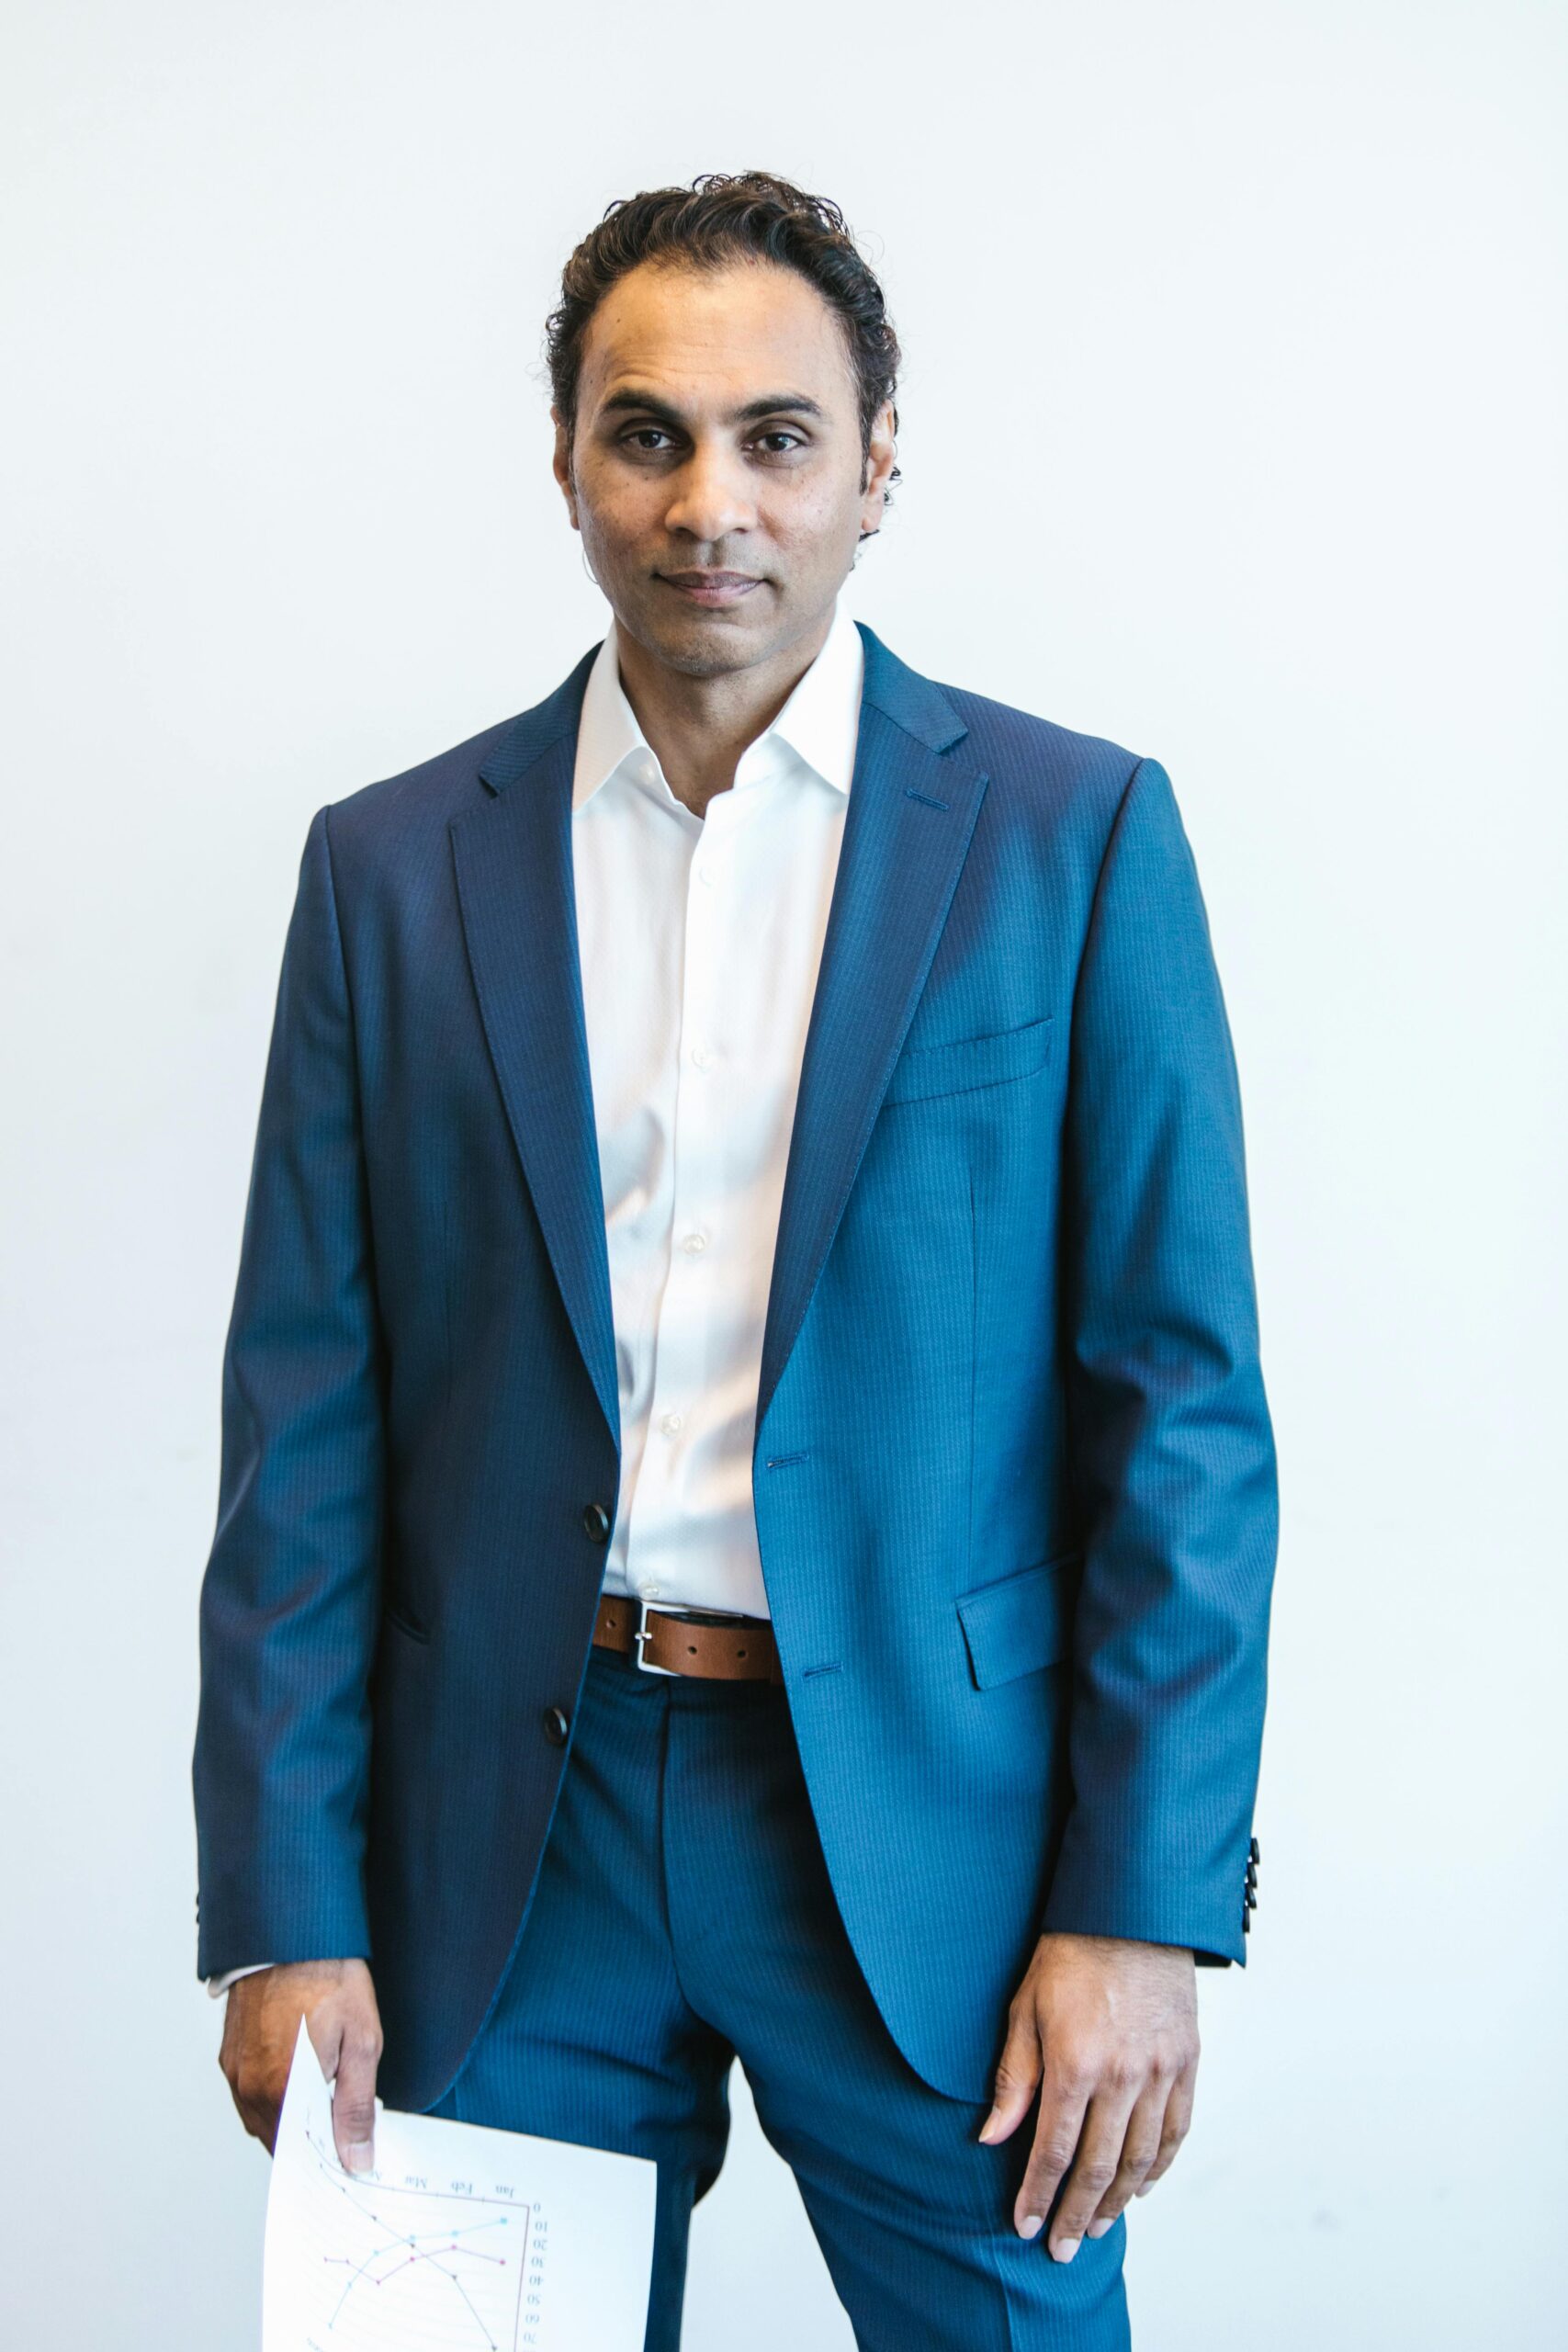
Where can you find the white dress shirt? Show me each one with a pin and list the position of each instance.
(699, 940)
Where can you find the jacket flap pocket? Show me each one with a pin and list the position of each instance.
(1021, 1622)
(969, 1061)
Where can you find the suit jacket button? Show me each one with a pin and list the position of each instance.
(595, 1522)
(556, 1726)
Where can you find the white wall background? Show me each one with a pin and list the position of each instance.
(1232, 427)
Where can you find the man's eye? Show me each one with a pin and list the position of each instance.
(643, 438)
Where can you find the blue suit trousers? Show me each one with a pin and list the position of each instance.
(683, 1916)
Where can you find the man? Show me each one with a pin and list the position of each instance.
(747, 1505)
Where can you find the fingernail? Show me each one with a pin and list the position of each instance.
(361, 2157)
(985, 2127)
(1098, 2229)
(1065, 2249)
(1032, 2225)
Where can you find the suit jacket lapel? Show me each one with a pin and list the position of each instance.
(912, 807)
(519, 910)
(911, 811)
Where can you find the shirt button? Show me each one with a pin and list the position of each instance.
(671, 1422)
(556, 1726)
(702, 1056)
(695, 1244)
(649, 1589)
(706, 874)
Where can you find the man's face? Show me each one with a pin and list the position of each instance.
(718, 432)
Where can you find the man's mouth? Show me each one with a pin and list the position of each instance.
(714, 588)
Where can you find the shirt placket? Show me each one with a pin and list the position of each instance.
(682, 1322)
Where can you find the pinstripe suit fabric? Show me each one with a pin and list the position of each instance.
(1014, 1473)
(685, 1914)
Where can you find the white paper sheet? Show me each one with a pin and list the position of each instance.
(462, 2239)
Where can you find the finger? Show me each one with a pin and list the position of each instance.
(246, 2078)
(1018, 2077)
(1100, 2151)
(1139, 2150)
(258, 2095)
(1057, 2129)
(259, 2117)
(324, 2024)
(1177, 2123)
(354, 2096)
(254, 2102)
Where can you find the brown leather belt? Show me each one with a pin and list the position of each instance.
(673, 1641)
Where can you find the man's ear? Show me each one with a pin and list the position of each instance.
(562, 466)
(879, 464)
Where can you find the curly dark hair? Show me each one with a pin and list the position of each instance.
(724, 217)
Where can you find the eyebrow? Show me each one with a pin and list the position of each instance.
(768, 404)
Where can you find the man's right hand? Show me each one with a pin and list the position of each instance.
(261, 2026)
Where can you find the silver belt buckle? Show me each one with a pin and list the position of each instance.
(641, 1638)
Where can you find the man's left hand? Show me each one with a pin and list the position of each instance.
(1107, 2031)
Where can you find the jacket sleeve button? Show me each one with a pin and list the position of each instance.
(556, 1726)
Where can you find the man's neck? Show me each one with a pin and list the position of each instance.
(699, 726)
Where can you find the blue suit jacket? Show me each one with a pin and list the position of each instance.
(1014, 1476)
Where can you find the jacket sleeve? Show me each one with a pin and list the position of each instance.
(1172, 1449)
(290, 1601)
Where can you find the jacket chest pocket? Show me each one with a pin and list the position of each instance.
(970, 1062)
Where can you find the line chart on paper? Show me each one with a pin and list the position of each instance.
(463, 2238)
(454, 2260)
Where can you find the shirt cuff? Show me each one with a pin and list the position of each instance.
(217, 1986)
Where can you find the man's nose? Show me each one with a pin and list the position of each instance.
(712, 498)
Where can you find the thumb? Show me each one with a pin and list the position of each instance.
(353, 2098)
(1018, 2077)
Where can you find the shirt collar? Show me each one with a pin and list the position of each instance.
(819, 724)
